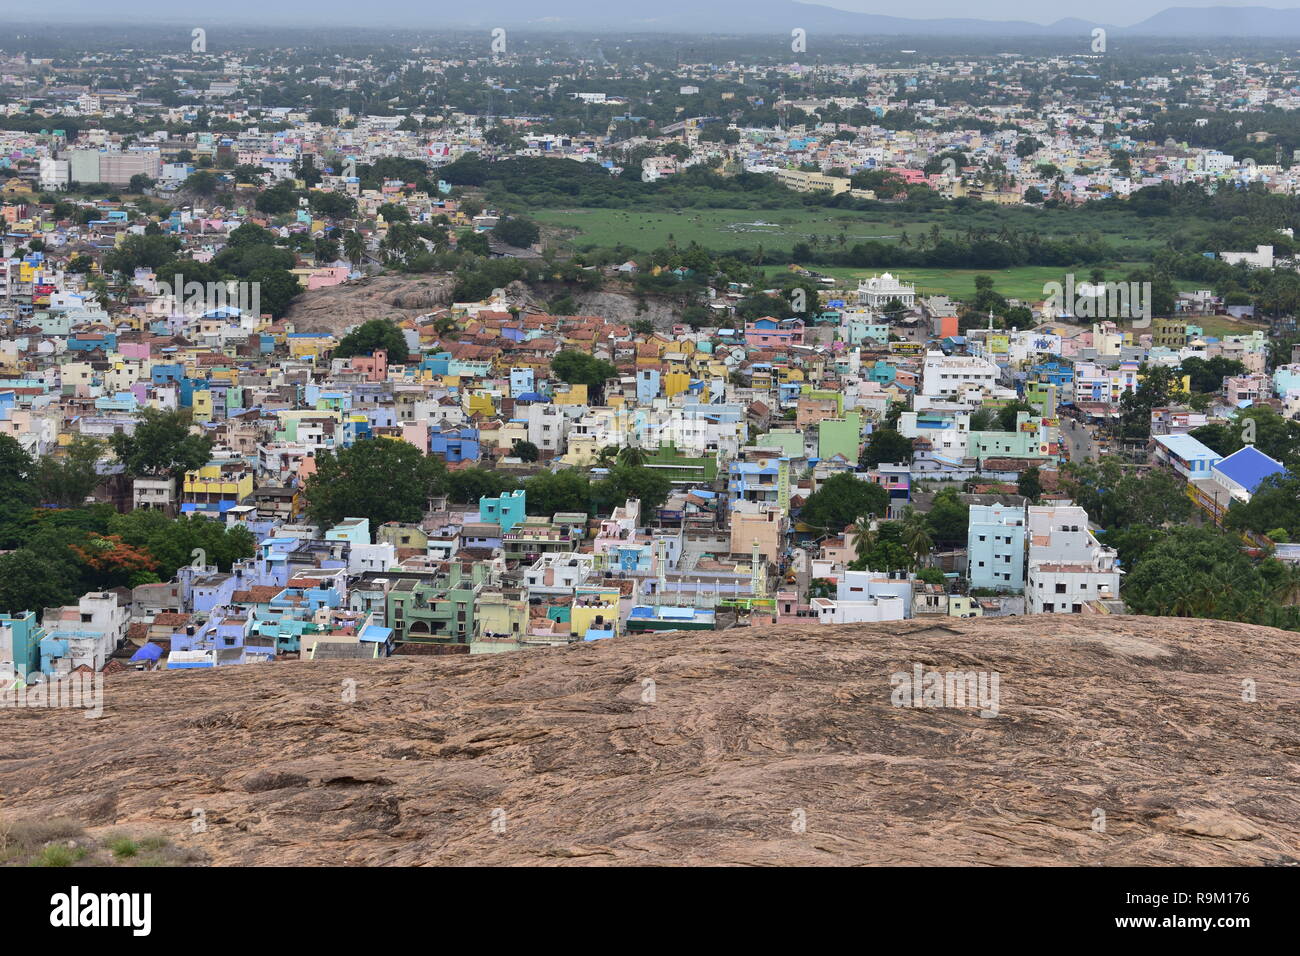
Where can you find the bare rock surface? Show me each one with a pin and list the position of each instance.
(704, 748)
(338, 308)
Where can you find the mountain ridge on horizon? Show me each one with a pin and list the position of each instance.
(742, 17)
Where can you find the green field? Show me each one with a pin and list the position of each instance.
(1023, 282)
(779, 229)
(775, 229)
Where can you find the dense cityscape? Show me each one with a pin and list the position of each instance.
(375, 347)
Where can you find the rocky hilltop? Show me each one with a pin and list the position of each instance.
(397, 297)
(1117, 740)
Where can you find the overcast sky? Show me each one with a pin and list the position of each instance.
(430, 13)
(1121, 13)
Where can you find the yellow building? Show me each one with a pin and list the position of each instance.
(481, 402)
(500, 613)
(216, 482)
(202, 405)
(675, 382)
(308, 346)
(959, 605)
(572, 395)
(594, 609)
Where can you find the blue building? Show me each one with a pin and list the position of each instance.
(506, 510)
(454, 444)
(20, 643)
(995, 547)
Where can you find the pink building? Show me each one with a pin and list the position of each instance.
(768, 332)
(328, 276)
(373, 367)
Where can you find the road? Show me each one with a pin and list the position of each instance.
(1079, 440)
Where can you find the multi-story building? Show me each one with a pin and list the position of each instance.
(995, 547)
(1069, 568)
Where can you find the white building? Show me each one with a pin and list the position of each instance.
(1261, 258)
(55, 173)
(1068, 566)
(948, 376)
(547, 426)
(878, 291)
(870, 611)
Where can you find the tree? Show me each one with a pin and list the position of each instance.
(1006, 417)
(1275, 505)
(632, 455)
(647, 485)
(172, 542)
(1116, 496)
(161, 444)
(579, 368)
(140, 252)
(468, 485)
(983, 419)
(381, 479)
(16, 471)
(30, 581)
(886, 445)
(841, 500)
(887, 551)
(525, 450)
(249, 234)
(948, 519)
(1158, 387)
(1201, 572)
(354, 246)
(333, 205)
(517, 232)
(1029, 484)
(68, 480)
(865, 532)
(550, 492)
(368, 337)
(276, 289)
(394, 212)
(915, 535)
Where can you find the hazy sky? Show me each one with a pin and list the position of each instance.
(432, 12)
(1121, 13)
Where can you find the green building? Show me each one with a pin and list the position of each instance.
(435, 607)
(840, 436)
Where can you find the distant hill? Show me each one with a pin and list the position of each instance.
(778, 17)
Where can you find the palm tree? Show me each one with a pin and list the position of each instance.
(632, 456)
(866, 532)
(916, 536)
(354, 247)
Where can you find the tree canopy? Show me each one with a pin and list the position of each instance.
(161, 444)
(841, 500)
(381, 479)
(368, 337)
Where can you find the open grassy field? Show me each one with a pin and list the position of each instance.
(779, 229)
(775, 229)
(1023, 282)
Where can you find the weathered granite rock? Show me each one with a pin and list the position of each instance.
(570, 756)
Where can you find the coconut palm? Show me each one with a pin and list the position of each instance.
(354, 247)
(866, 532)
(632, 456)
(916, 535)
